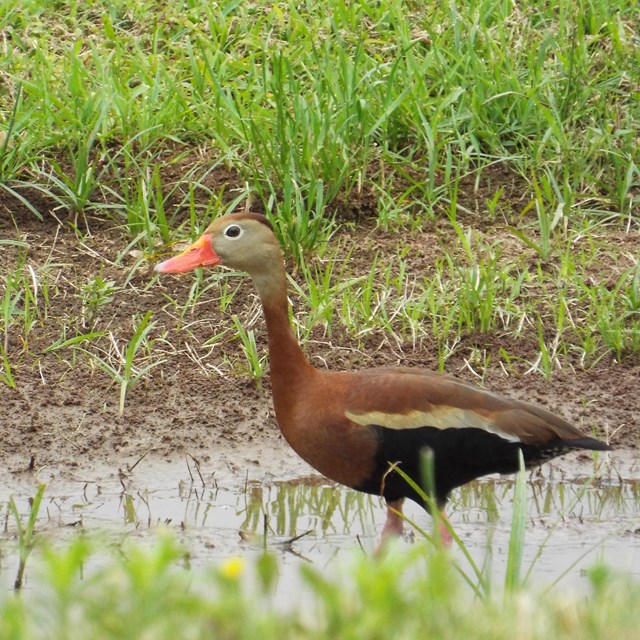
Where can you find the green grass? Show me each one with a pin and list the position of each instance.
(118, 363)
(307, 103)
(26, 533)
(255, 364)
(126, 112)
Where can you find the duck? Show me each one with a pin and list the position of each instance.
(369, 429)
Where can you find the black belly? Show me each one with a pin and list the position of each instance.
(459, 456)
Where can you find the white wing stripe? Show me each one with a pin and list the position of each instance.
(442, 417)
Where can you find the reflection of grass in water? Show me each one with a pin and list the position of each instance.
(485, 496)
(294, 507)
(596, 501)
(291, 508)
(588, 502)
(588, 499)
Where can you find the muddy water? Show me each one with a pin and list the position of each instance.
(574, 521)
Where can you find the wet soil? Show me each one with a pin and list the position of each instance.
(62, 420)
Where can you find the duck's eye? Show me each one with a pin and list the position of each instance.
(233, 231)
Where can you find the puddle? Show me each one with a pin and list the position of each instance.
(306, 520)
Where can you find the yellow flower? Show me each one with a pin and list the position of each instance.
(232, 568)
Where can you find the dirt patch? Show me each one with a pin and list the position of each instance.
(63, 416)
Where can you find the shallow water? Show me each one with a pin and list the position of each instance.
(574, 519)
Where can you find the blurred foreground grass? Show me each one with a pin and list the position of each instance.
(136, 592)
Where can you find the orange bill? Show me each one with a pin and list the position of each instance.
(199, 254)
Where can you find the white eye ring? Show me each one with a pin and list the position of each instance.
(233, 231)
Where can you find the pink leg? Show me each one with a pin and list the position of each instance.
(443, 532)
(393, 526)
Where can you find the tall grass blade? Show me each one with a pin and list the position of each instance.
(482, 588)
(26, 534)
(518, 528)
(130, 375)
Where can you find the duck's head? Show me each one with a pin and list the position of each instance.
(242, 241)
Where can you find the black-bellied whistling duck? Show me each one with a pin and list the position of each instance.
(356, 427)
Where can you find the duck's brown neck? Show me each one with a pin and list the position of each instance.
(288, 363)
